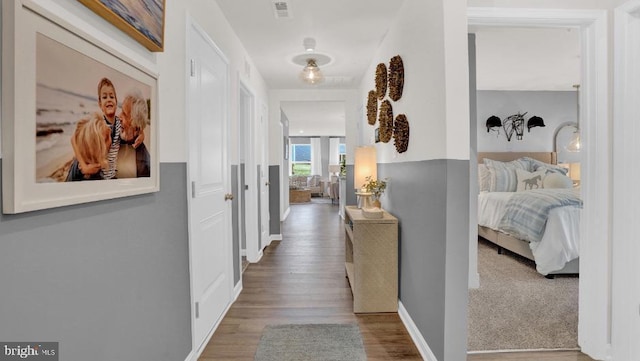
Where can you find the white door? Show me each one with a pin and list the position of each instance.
(209, 212)
(264, 177)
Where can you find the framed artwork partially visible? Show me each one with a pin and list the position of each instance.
(143, 20)
(79, 124)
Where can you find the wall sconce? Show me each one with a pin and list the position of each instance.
(365, 165)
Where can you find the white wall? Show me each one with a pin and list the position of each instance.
(173, 67)
(434, 84)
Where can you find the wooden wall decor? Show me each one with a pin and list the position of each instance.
(381, 80)
(396, 78)
(372, 107)
(386, 121)
(401, 133)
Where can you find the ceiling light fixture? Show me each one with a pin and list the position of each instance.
(311, 72)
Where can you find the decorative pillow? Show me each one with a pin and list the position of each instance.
(502, 180)
(521, 163)
(484, 178)
(549, 168)
(503, 175)
(557, 180)
(529, 180)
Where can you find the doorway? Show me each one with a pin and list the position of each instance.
(594, 310)
(210, 244)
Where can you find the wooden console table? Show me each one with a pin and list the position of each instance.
(371, 261)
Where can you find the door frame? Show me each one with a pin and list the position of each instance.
(625, 283)
(197, 348)
(253, 251)
(263, 113)
(594, 330)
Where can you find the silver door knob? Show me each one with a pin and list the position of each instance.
(228, 197)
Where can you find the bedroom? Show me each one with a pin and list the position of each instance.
(534, 77)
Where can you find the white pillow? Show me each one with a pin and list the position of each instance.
(484, 178)
(529, 180)
(521, 163)
(557, 180)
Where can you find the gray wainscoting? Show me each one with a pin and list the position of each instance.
(431, 201)
(274, 199)
(108, 280)
(351, 189)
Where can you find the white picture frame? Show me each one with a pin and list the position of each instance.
(35, 82)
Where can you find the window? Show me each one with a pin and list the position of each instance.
(301, 159)
(342, 149)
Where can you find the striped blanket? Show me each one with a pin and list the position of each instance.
(526, 212)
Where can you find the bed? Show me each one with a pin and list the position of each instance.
(555, 245)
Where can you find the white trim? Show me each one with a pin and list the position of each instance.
(275, 237)
(414, 332)
(595, 277)
(285, 214)
(521, 350)
(625, 323)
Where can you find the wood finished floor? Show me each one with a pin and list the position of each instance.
(301, 279)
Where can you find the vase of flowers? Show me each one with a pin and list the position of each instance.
(376, 187)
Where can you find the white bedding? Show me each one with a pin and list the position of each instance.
(560, 242)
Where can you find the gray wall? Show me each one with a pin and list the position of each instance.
(555, 107)
(274, 199)
(108, 280)
(352, 199)
(431, 201)
(235, 223)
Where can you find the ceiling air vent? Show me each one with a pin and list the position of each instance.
(281, 10)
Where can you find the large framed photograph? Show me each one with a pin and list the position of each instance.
(79, 124)
(143, 20)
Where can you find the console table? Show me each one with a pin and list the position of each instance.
(371, 261)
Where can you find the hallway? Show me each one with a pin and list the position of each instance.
(301, 279)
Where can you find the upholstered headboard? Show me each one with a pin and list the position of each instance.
(547, 157)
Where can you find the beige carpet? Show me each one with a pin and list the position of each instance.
(516, 308)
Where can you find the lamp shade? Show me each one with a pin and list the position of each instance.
(365, 165)
(334, 168)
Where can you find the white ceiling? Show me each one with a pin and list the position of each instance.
(350, 33)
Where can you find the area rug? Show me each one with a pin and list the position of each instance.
(516, 308)
(311, 342)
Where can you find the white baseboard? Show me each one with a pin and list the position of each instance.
(275, 237)
(416, 336)
(285, 214)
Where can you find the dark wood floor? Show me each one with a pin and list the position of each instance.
(301, 279)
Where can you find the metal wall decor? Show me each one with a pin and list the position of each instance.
(401, 133)
(396, 78)
(514, 123)
(372, 107)
(386, 121)
(381, 80)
